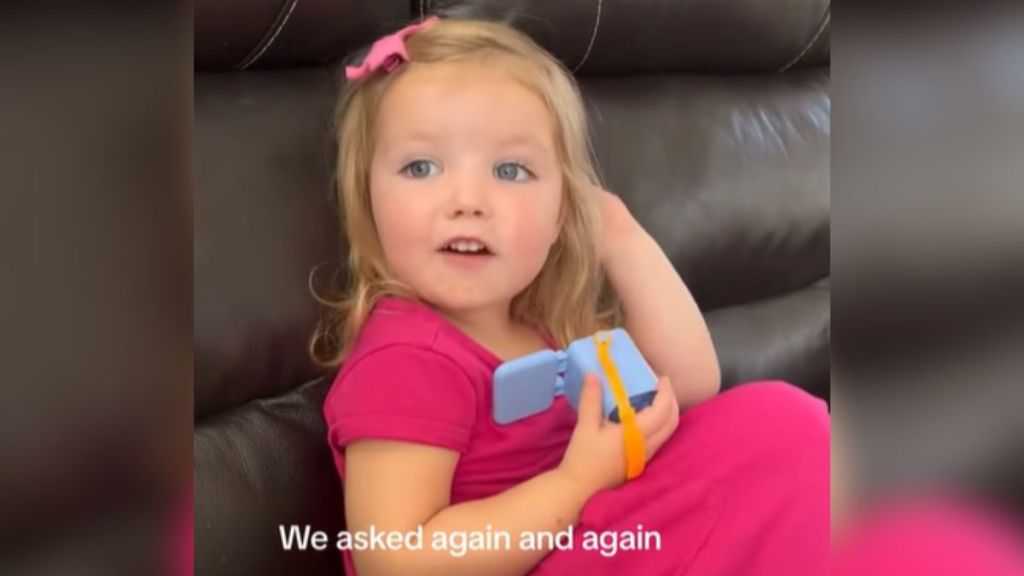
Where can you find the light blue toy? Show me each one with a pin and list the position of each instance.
(528, 385)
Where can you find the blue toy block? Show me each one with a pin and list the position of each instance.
(529, 385)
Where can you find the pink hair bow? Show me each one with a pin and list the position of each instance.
(387, 52)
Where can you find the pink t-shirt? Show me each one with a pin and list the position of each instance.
(414, 377)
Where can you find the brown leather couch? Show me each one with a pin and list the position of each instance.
(711, 120)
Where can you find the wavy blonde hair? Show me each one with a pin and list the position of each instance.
(569, 296)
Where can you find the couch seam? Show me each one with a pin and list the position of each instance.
(258, 402)
(814, 40)
(269, 37)
(821, 283)
(593, 37)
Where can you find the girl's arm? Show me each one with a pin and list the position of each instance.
(660, 314)
(397, 486)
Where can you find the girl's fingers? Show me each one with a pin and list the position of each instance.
(660, 411)
(655, 442)
(669, 421)
(661, 433)
(590, 410)
(665, 397)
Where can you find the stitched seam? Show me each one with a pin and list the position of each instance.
(262, 47)
(814, 40)
(593, 37)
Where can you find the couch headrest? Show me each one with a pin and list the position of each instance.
(591, 36)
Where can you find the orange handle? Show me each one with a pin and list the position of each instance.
(632, 437)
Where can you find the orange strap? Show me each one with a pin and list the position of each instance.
(633, 439)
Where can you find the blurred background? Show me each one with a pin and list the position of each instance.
(95, 286)
(928, 249)
(928, 262)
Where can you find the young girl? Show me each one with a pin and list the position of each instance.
(478, 233)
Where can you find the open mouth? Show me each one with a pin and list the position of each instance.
(467, 247)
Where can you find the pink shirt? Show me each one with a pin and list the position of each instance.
(413, 377)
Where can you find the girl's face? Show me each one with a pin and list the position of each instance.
(465, 184)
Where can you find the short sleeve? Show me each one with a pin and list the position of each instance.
(402, 392)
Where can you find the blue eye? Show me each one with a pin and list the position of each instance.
(512, 171)
(420, 168)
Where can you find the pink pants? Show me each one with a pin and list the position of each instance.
(741, 488)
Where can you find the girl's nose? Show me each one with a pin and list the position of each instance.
(467, 211)
(468, 197)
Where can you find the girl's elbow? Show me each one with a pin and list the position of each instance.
(714, 367)
(711, 383)
(714, 379)
(699, 387)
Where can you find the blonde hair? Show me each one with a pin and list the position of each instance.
(569, 297)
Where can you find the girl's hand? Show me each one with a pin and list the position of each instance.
(617, 225)
(595, 458)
